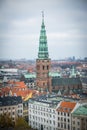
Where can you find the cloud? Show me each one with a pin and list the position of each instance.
(20, 24)
(71, 34)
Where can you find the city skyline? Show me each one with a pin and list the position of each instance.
(65, 22)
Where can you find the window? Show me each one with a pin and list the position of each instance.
(65, 126)
(19, 111)
(43, 67)
(13, 118)
(54, 122)
(38, 67)
(68, 120)
(61, 119)
(61, 125)
(44, 119)
(47, 67)
(58, 124)
(78, 123)
(53, 116)
(58, 118)
(68, 114)
(73, 122)
(73, 128)
(43, 84)
(68, 127)
(13, 113)
(64, 114)
(65, 119)
(53, 111)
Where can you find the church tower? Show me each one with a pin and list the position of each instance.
(43, 62)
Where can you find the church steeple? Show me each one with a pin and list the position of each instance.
(43, 62)
(43, 48)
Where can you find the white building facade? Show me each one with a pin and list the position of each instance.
(42, 115)
(52, 113)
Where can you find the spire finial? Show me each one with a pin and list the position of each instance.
(43, 15)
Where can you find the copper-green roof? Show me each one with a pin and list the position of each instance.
(82, 110)
(30, 75)
(43, 48)
(65, 81)
(54, 74)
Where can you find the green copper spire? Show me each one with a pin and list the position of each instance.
(43, 48)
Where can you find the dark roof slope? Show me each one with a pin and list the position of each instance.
(65, 81)
(10, 100)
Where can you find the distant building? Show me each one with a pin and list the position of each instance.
(66, 85)
(10, 74)
(79, 118)
(84, 84)
(12, 106)
(29, 79)
(16, 88)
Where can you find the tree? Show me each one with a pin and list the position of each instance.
(21, 124)
(6, 121)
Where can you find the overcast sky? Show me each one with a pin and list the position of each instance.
(65, 22)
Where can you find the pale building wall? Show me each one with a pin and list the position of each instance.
(13, 111)
(42, 114)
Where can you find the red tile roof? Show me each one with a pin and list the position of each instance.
(66, 106)
(16, 88)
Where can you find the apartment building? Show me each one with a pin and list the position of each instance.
(79, 118)
(12, 106)
(42, 113)
(25, 110)
(64, 115)
(50, 112)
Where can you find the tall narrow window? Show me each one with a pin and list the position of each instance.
(38, 67)
(43, 67)
(47, 67)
